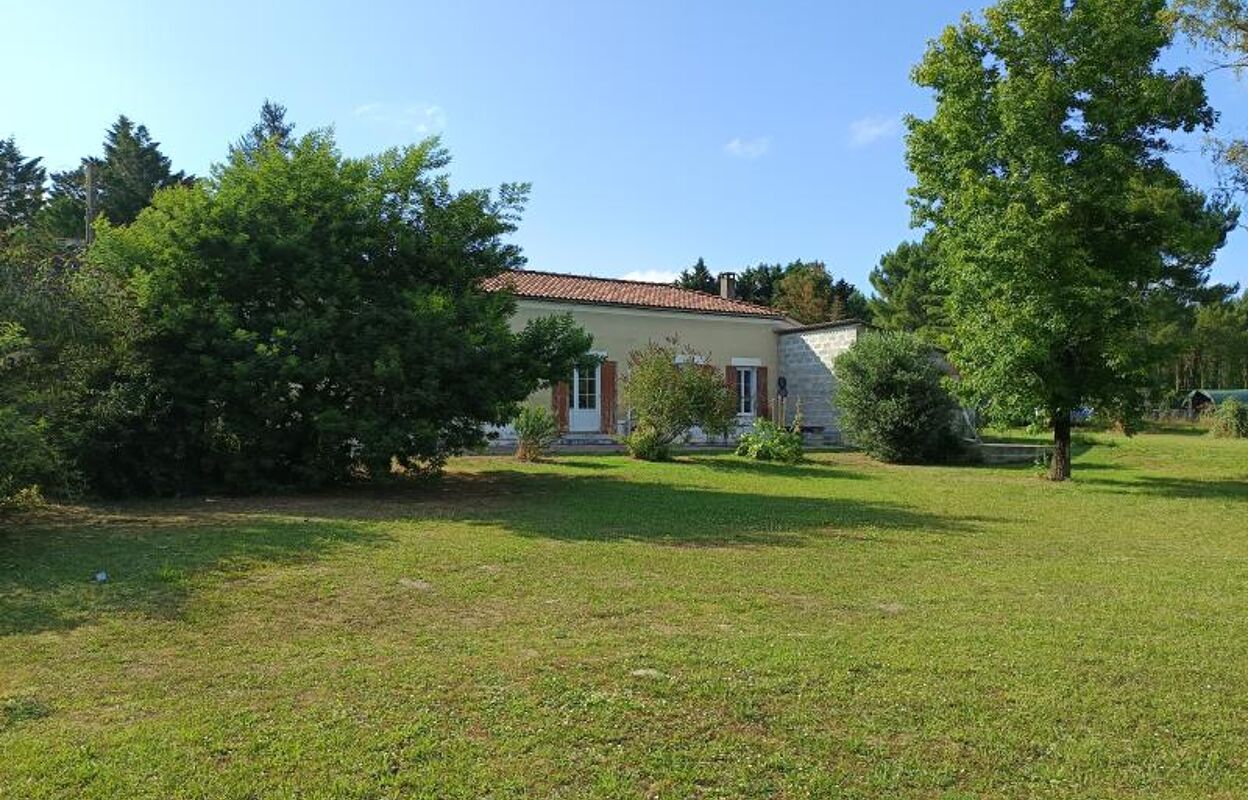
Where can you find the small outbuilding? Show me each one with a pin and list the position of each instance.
(1201, 400)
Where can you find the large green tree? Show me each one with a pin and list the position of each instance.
(1042, 172)
(907, 294)
(310, 318)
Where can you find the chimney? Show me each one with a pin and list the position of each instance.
(728, 285)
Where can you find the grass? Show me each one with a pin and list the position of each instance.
(605, 628)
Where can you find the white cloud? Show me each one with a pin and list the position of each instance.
(651, 275)
(747, 148)
(422, 118)
(866, 130)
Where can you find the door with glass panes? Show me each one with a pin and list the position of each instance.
(585, 400)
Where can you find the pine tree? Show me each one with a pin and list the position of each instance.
(132, 170)
(907, 297)
(698, 277)
(271, 129)
(21, 186)
(758, 284)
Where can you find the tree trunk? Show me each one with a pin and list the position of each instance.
(1059, 467)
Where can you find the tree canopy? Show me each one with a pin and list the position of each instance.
(21, 186)
(807, 293)
(698, 278)
(1042, 171)
(311, 317)
(126, 176)
(908, 296)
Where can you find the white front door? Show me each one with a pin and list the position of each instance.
(585, 400)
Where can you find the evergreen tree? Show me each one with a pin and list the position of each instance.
(311, 318)
(130, 172)
(271, 129)
(907, 297)
(133, 168)
(848, 303)
(698, 278)
(758, 284)
(21, 186)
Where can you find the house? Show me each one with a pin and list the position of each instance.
(770, 362)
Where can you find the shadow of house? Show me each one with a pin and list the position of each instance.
(598, 509)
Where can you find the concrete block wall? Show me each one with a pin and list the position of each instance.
(806, 359)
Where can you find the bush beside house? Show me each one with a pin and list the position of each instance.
(893, 401)
(536, 430)
(768, 441)
(670, 390)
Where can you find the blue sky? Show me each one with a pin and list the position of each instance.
(654, 133)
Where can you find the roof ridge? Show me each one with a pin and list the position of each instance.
(605, 279)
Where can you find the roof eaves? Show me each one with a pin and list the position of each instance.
(770, 314)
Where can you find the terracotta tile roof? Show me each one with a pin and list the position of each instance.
(616, 292)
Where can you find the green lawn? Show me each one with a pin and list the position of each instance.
(600, 627)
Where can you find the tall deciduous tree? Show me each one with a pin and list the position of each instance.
(1042, 172)
(21, 186)
(907, 294)
(805, 293)
(310, 318)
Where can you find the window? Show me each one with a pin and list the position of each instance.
(745, 390)
(587, 388)
(584, 394)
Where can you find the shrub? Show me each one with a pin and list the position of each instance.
(1230, 420)
(668, 398)
(648, 445)
(771, 442)
(28, 462)
(892, 399)
(536, 430)
(288, 354)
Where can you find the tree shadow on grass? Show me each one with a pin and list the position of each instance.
(154, 552)
(47, 569)
(769, 469)
(1185, 488)
(603, 509)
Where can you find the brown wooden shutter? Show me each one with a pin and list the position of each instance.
(559, 403)
(608, 397)
(730, 380)
(764, 407)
